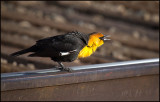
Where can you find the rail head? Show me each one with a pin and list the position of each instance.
(96, 72)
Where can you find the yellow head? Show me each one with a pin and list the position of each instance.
(95, 41)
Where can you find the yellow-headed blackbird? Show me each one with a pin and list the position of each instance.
(67, 47)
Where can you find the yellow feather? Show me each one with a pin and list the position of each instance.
(93, 43)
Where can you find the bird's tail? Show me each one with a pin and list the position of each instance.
(31, 49)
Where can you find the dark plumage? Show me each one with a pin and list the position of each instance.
(69, 44)
(66, 48)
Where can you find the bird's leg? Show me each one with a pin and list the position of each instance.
(64, 68)
(61, 65)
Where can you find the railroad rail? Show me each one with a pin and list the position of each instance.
(127, 80)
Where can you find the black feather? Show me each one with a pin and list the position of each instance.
(31, 49)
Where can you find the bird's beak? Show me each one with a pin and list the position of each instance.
(105, 37)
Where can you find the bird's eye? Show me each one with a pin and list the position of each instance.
(102, 38)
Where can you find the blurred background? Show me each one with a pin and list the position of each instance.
(133, 26)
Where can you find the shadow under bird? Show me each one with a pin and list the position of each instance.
(66, 48)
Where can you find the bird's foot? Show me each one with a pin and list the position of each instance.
(66, 69)
(63, 68)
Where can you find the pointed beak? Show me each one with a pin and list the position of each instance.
(105, 37)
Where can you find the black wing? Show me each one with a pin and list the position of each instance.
(52, 46)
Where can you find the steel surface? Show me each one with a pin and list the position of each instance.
(137, 79)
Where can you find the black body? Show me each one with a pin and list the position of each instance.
(72, 43)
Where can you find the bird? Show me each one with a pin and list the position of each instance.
(66, 47)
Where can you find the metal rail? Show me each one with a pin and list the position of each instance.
(97, 72)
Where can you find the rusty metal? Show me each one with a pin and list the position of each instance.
(128, 80)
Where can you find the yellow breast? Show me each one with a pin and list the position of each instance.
(85, 52)
(93, 43)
